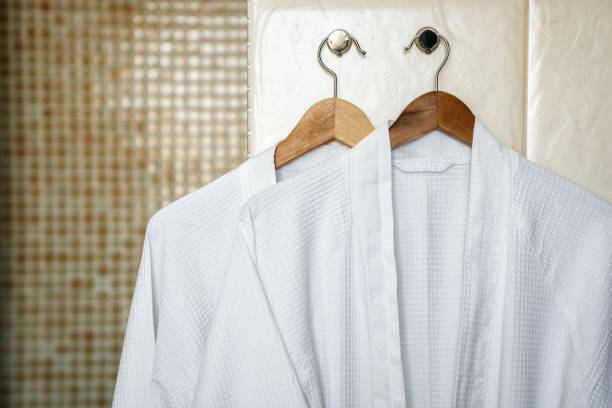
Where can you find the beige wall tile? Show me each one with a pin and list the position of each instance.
(569, 107)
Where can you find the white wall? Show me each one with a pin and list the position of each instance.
(536, 73)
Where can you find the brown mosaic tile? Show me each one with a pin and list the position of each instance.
(110, 110)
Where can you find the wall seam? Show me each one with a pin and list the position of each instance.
(249, 90)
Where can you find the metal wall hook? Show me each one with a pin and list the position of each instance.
(427, 40)
(339, 42)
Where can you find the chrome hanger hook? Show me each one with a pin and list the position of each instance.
(427, 40)
(339, 42)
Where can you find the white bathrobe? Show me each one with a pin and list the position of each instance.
(185, 252)
(433, 275)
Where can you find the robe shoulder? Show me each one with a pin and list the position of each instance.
(192, 213)
(560, 216)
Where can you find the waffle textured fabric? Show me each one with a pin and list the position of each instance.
(434, 275)
(185, 252)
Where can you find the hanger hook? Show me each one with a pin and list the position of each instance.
(427, 40)
(339, 42)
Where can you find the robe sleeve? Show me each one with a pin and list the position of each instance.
(584, 293)
(133, 386)
(245, 362)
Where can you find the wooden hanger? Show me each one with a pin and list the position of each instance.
(329, 119)
(432, 110)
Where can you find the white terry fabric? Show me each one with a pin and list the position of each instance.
(431, 275)
(185, 252)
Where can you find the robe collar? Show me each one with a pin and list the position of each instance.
(257, 173)
(485, 260)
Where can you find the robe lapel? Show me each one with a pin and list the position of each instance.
(487, 230)
(486, 259)
(373, 238)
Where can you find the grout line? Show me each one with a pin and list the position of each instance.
(526, 76)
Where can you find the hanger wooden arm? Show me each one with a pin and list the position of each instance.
(430, 111)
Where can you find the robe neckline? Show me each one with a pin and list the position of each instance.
(259, 171)
(485, 260)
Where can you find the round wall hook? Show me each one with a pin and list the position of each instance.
(427, 40)
(339, 42)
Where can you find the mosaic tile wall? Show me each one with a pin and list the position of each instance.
(109, 110)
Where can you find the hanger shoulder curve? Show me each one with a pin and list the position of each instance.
(418, 117)
(327, 120)
(455, 118)
(351, 123)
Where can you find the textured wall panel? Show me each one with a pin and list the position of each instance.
(569, 103)
(486, 67)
